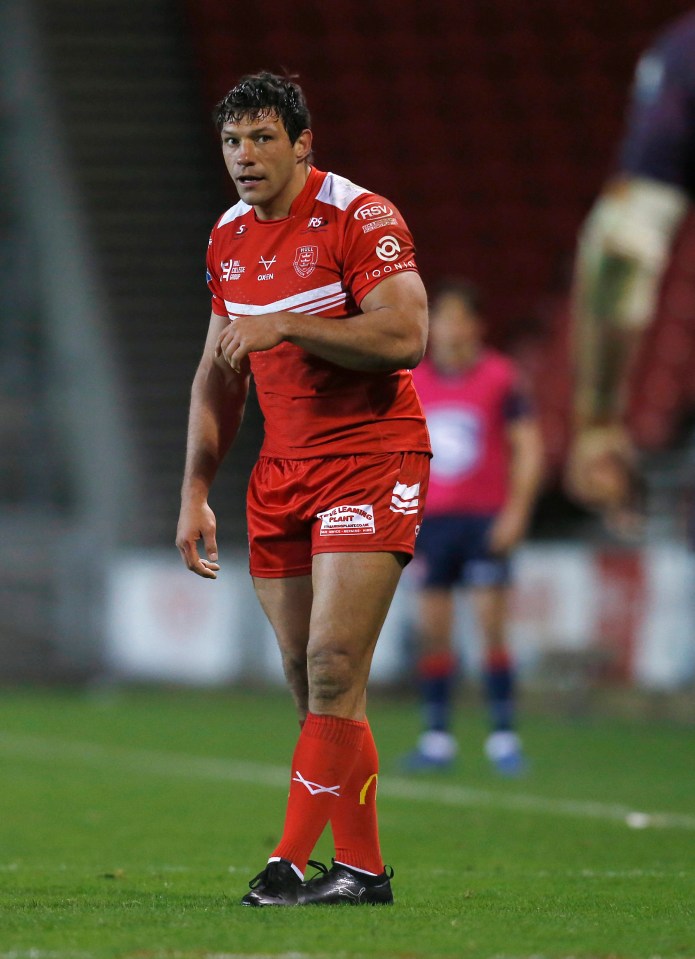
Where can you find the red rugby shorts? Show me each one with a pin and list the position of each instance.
(363, 503)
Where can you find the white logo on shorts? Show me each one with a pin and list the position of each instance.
(347, 521)
(405, 499)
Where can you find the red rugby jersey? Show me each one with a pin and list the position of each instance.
(338, 242)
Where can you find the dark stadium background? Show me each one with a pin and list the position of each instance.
(491, 124)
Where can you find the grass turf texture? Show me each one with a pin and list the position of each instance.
(130, 824)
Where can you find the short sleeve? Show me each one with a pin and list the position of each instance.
(213, 280)
(659, 128)
(376, 244)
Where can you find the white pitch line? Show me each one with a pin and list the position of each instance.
(44, 954)
(176, 954)
(245, 955)
(186, 766)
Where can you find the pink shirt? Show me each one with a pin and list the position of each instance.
(467, 415)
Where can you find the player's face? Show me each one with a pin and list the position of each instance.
(268, 170)
(455, 333)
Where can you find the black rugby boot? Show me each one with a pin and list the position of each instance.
(341, 885)
(277, 885)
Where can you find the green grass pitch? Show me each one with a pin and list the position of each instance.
(131, 822)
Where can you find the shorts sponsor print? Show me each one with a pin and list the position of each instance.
(355, 503)
(347, 521)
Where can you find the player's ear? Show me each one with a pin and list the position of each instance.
(302, 145)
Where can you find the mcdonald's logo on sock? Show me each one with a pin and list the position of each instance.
(363, 791)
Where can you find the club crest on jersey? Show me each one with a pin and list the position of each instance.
(347, 520)
(305, 260)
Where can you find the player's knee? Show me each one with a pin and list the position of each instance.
(332, 674)
(295, 669)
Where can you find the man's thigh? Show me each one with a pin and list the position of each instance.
(287, 603)
(352, 595)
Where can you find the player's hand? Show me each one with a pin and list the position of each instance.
(507, 531)
(197, 521)
(602, 474)
(247, 334)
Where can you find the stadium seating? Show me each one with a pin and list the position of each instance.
(491, 123)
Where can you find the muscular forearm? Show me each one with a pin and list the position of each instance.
(622, 252)
(218, 398)
(389, 334)
(382, 339)
(604, 349)
(524, 477)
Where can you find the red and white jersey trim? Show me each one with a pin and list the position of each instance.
(339, 192)
(234, 212)
(309, 301)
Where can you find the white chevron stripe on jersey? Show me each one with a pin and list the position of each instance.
(239, 209)
(338, 191)
(405, 499)
(323, 305)
(321, 297)
(320, 306)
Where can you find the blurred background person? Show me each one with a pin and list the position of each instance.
(623, 252)
(485, 476)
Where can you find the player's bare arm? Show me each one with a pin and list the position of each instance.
(218, 398)
(389, 334)
(525, 474)
(621, 257)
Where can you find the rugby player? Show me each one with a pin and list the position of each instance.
(316, 294)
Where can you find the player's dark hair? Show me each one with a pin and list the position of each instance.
(463, 288)
(264, 94)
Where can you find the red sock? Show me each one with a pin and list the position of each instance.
(353, 817)
(437, 665)
(327, 749)
(498, 660)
